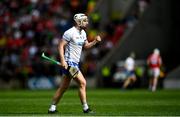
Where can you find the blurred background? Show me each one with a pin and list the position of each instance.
(30, 27)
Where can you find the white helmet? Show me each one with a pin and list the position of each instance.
(156, 51)
(78, 18)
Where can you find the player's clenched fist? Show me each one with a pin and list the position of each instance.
(98, 38)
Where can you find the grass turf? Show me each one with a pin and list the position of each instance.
(106, 102)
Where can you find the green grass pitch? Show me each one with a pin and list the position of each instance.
(105, 102)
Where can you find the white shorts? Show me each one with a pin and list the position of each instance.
(155, 72)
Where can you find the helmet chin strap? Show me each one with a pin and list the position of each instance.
(82, 24)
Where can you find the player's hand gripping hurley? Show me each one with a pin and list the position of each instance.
(73, 71)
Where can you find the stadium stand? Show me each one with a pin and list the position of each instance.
(30, 27)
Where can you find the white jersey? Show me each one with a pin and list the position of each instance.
(129, 64)
(76, 40)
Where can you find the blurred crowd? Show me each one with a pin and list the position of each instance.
(30, 27)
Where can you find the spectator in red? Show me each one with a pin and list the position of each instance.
(119, 31)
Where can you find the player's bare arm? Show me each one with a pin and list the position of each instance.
(90, 44)
(62, 44)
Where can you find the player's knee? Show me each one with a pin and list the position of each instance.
(134, 79)
(83, 84)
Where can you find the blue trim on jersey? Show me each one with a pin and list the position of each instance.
(68, 57)
(73, 64)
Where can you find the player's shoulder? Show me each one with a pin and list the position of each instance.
(69, 30)
(129, 59)
(83, 32)
(68, 33)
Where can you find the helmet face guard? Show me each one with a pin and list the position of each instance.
(81, 19)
